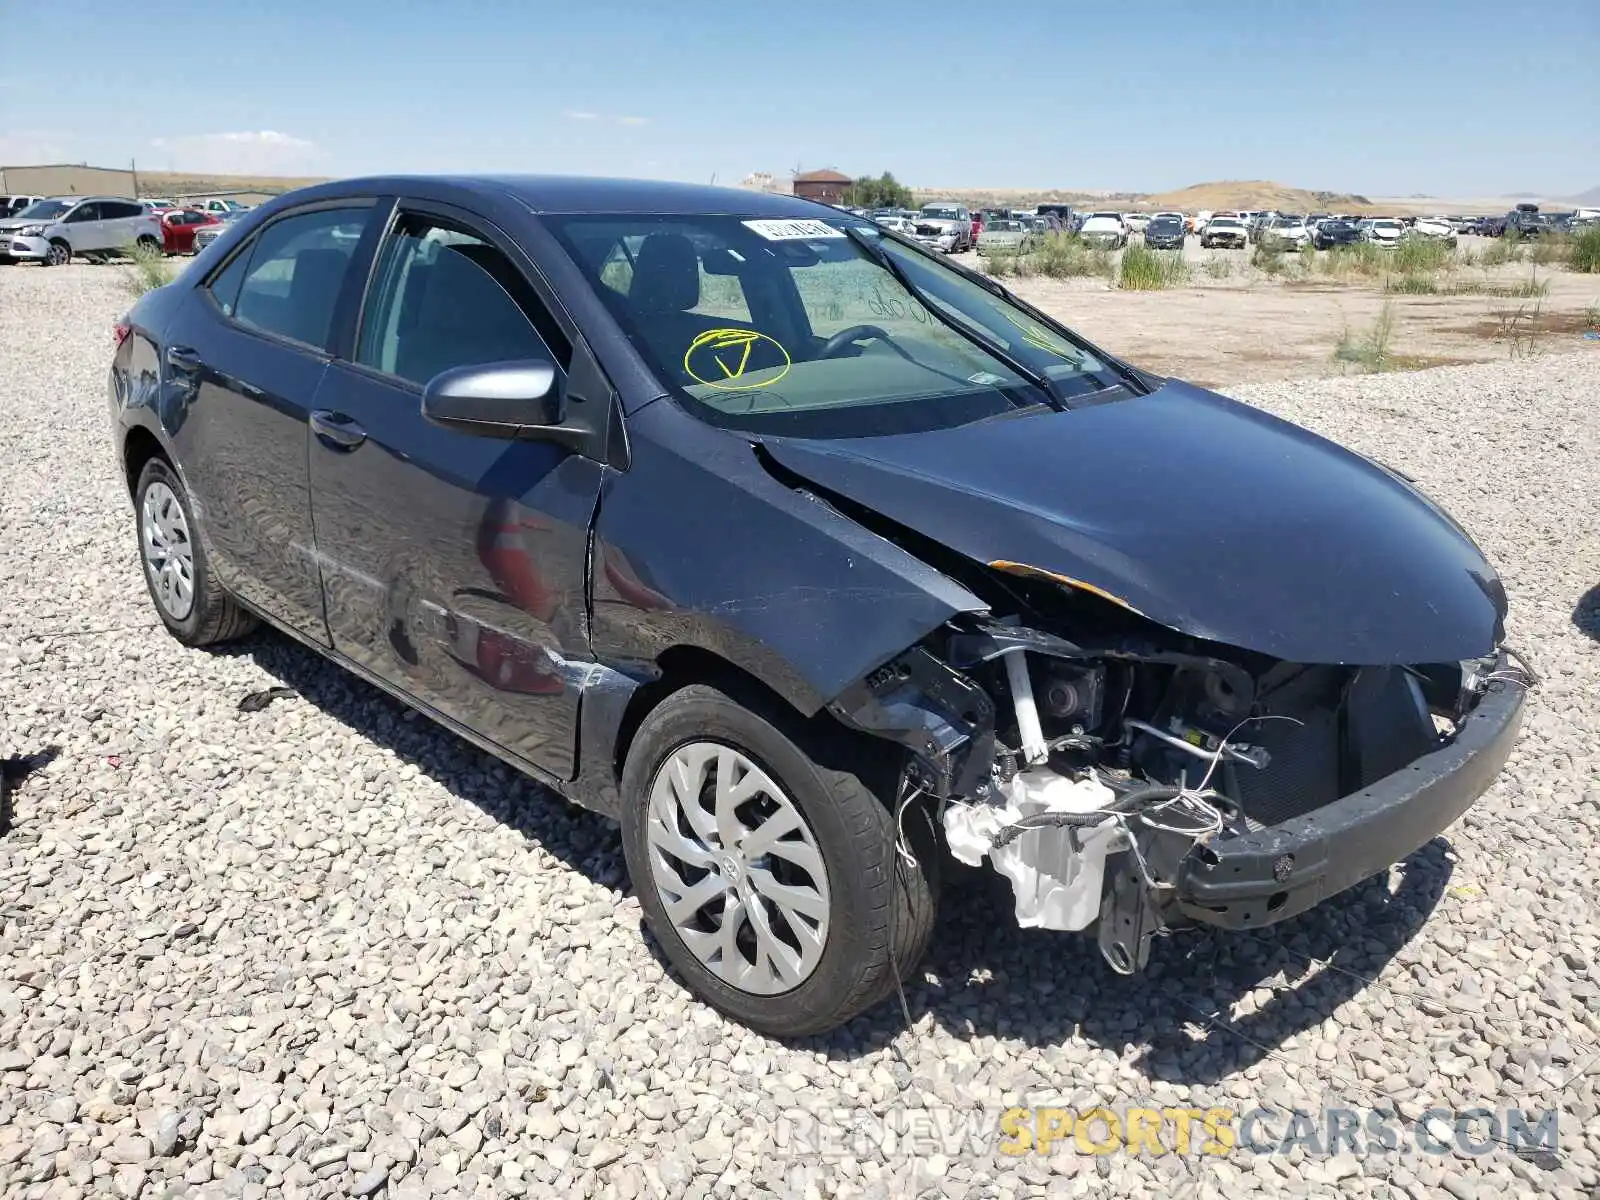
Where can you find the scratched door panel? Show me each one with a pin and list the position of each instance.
(454, 565)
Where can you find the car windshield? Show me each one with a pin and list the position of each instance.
(939, 212)
(1004, 225)
(46, 210)
(1228, 222)
(1160, 223)
(1386, 224)
(793, 327)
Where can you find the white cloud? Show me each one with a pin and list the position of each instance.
(584, 115)
(258, 152)
(23, 146)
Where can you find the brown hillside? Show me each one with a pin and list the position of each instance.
(1253, 194)
(188, 183)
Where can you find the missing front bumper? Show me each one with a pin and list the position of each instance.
(1255, 879)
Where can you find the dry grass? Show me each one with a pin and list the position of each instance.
(1372, 351)
(148, 270)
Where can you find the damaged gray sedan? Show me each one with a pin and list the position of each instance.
(814, 559)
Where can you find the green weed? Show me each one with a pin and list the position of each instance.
(1372, 350)
(1146, 270)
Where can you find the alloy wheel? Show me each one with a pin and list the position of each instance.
(737, 869)
(168, 551)
(58, 255)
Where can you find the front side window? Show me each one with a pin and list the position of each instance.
(45, 210)
(796, 327)
(296, 271)
(84, 212)
(448, 298)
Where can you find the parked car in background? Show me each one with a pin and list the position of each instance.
(11, 205)
(1136, 221)
(1285, 233)
(1062, 213)
(1433, 229)
(899, 224)
(1007, 235)
(206, 234)
(1164, 232)
(179, 226)
(219, 205)
(52, 231)
(1104, 229)
(1381, 231)
(946, 227)
(1227, 232)
(1526, 221)
(1333, 233)
(1197, 223)
(471, 440)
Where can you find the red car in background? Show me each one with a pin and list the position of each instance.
(178, 228)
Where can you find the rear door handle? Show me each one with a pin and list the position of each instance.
(182, 358)
(337, 431)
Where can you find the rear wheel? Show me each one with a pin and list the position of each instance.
(763, 852)
(188, 599)
(149, 245)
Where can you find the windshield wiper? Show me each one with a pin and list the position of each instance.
(987, 345)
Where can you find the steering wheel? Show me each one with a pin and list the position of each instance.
(855, 333)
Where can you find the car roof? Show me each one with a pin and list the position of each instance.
(580, 194)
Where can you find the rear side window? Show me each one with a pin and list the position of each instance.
(116, 209)
(447, 298)
(296, 270)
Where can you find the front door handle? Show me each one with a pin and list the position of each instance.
(183, 358)
(337, 431)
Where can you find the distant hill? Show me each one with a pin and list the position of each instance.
(1253, 194)
(1591, 197)
(188, 183)
(1227, 194)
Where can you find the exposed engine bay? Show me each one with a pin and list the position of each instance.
(1095, 772)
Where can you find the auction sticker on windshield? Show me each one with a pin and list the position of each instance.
(792, 231)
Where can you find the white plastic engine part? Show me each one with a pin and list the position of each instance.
(1055, 885)
(1033, 748)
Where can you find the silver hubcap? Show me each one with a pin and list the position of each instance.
(737, 869)
(168, 553)
(58, 255)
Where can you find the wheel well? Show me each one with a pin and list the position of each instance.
(139, 448)
(685, 665)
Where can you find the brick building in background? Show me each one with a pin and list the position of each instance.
(826, 186)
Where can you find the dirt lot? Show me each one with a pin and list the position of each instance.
(1248, 328)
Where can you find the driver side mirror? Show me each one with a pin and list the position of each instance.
(504, 400)
(528, 401)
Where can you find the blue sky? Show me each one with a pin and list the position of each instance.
(1384, 97)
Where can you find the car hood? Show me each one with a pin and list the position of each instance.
(11, 223)
(1201, 513)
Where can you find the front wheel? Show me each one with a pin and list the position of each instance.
(59, 254)
(188, 599)
(762, 848)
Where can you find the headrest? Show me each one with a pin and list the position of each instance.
(666, 275)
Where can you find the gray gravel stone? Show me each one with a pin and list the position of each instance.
(275, 953)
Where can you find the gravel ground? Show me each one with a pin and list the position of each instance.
(324, 949)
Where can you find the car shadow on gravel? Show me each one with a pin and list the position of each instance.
(983, 975)
(576, 837)
(1209, 1004)
(1586, 616)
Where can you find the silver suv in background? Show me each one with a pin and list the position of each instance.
(50, 232)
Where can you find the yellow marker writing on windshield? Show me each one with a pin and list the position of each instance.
(730, 350)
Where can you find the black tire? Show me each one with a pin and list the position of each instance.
(214, 616)
(59, 254)
(149, 244)
(881, 910)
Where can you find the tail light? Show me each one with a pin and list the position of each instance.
(120, 332)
